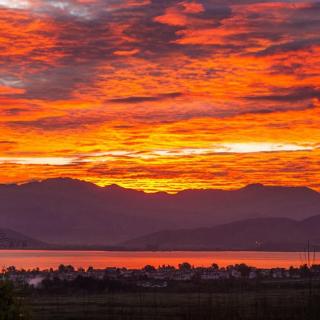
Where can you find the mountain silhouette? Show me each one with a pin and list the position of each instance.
(10, 239)
(252, 234)
(69, 211)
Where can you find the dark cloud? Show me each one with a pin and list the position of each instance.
(7, 142)
(14, 111)
(288, 47)
(288, 68)
(87, 35)
(146, 99)
(214, 13)
(59, 123)
(291, 95)
(84, 44)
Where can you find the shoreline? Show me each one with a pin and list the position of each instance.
(102, 249)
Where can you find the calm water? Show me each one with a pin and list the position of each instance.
(102, 259)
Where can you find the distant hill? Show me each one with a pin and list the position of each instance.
(66, 211)
(253, 234)
(10, 239)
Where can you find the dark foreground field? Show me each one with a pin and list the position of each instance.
(271, 304)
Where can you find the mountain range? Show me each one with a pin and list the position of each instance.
(65, 211)
(267, 234)
(10, 239)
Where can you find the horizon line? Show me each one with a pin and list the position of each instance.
(257, 184)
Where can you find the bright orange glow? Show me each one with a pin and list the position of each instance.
(160, 95)
(45, 260)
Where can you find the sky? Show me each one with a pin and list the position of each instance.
(160, 95)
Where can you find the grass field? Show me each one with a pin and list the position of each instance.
(282, 304)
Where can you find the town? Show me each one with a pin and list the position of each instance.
(161, 277)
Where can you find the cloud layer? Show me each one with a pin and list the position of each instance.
(160, 94)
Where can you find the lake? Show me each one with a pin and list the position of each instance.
(101, 259)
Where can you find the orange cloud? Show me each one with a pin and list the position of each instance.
(160, 95)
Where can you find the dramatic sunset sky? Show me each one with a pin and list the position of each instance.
(160, 94)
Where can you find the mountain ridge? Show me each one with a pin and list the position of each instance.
(251, 234)
(10, 239)
(69, 211)
(73, 181)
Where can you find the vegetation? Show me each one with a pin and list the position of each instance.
(11, 308)
(268, 305)
(121, 294)
(86, 298)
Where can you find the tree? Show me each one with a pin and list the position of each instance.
(10, 308)
(63, 268)
(11, 269)
(149, 268)
(215, 266)
(185, 266)
(243, 269)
